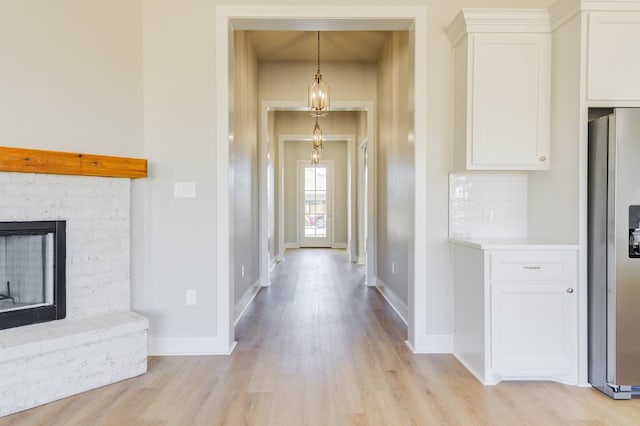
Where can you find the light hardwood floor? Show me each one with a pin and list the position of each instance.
(319, 348)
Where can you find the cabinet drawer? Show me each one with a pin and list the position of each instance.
(559, 266)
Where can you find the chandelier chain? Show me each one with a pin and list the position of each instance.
(318, 52)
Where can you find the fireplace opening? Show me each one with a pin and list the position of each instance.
(32, 272)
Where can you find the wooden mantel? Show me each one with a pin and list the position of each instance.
(69, 163)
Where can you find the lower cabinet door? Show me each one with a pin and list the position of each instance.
(534, 328)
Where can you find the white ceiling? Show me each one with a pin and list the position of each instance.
(301, 46)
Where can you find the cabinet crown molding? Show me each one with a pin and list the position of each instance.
(498, 21)
(563, 10)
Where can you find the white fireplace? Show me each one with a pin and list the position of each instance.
(100, 341)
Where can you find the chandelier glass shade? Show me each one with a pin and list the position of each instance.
(318, 142)
(318, 92)
(315, 156)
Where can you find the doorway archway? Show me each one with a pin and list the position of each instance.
(325, 18)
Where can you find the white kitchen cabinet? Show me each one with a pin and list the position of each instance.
(501, 89)
(533, 329)
(515, 311)
(613, 63)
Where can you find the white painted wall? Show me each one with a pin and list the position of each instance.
(244, 166)
(272, 155)
(559, 187)
(70, 75)
(357, 245)
(179, 135)
(395, 167)
(288, 81)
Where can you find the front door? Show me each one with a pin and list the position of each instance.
(315, 214)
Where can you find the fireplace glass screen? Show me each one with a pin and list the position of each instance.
(31, 272)
(26, 271)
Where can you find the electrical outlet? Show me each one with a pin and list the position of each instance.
(190, 297)
(393, 267)
(242, 271)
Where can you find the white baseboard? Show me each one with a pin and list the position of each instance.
(361, 260)
(291, 245)
(342, 246)
(246, 300)
(410, 346)
(168, 346)
(280, 257)
(434, 344)
(429, 344)
(469, 368)
(273, 264)
(396, 303)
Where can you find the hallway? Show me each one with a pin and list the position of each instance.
(318, 347)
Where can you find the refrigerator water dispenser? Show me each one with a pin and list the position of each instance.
(634, 231)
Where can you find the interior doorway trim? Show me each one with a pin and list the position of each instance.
(295, 17)
(280, 216)
(364, 106)
(285, 105)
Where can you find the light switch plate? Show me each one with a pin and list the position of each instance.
(190, 297)
(184, 189)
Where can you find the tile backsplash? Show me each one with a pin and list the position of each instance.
(487, 205)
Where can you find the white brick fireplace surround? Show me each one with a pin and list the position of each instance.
(100, 341)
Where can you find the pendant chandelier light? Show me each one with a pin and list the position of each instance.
(315, 156)
(318, 142)
(318, 107)
(318, 92)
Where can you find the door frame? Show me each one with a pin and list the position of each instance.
(330, 166)
(326, 17)
(362, 204)
(363, 106)
(291, 138)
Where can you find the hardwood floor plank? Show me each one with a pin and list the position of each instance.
(320, 348)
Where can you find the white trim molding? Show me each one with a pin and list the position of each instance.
(435, 344)
(274, 262)
(498, 21)
(562, 11)
(470, 368)
(246, 300)
(179, 346)
(393, 300)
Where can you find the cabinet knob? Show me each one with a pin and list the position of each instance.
(543, 158)
(569, 290)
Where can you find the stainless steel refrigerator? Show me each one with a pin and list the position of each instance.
(614, 253)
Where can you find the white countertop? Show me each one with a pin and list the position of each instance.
(512, 244)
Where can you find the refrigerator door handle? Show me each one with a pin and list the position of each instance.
(611, 251)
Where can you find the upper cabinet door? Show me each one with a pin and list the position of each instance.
(613, 56)
(509, 95)
(501, 89)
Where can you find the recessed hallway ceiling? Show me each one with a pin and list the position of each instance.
(335, 46)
